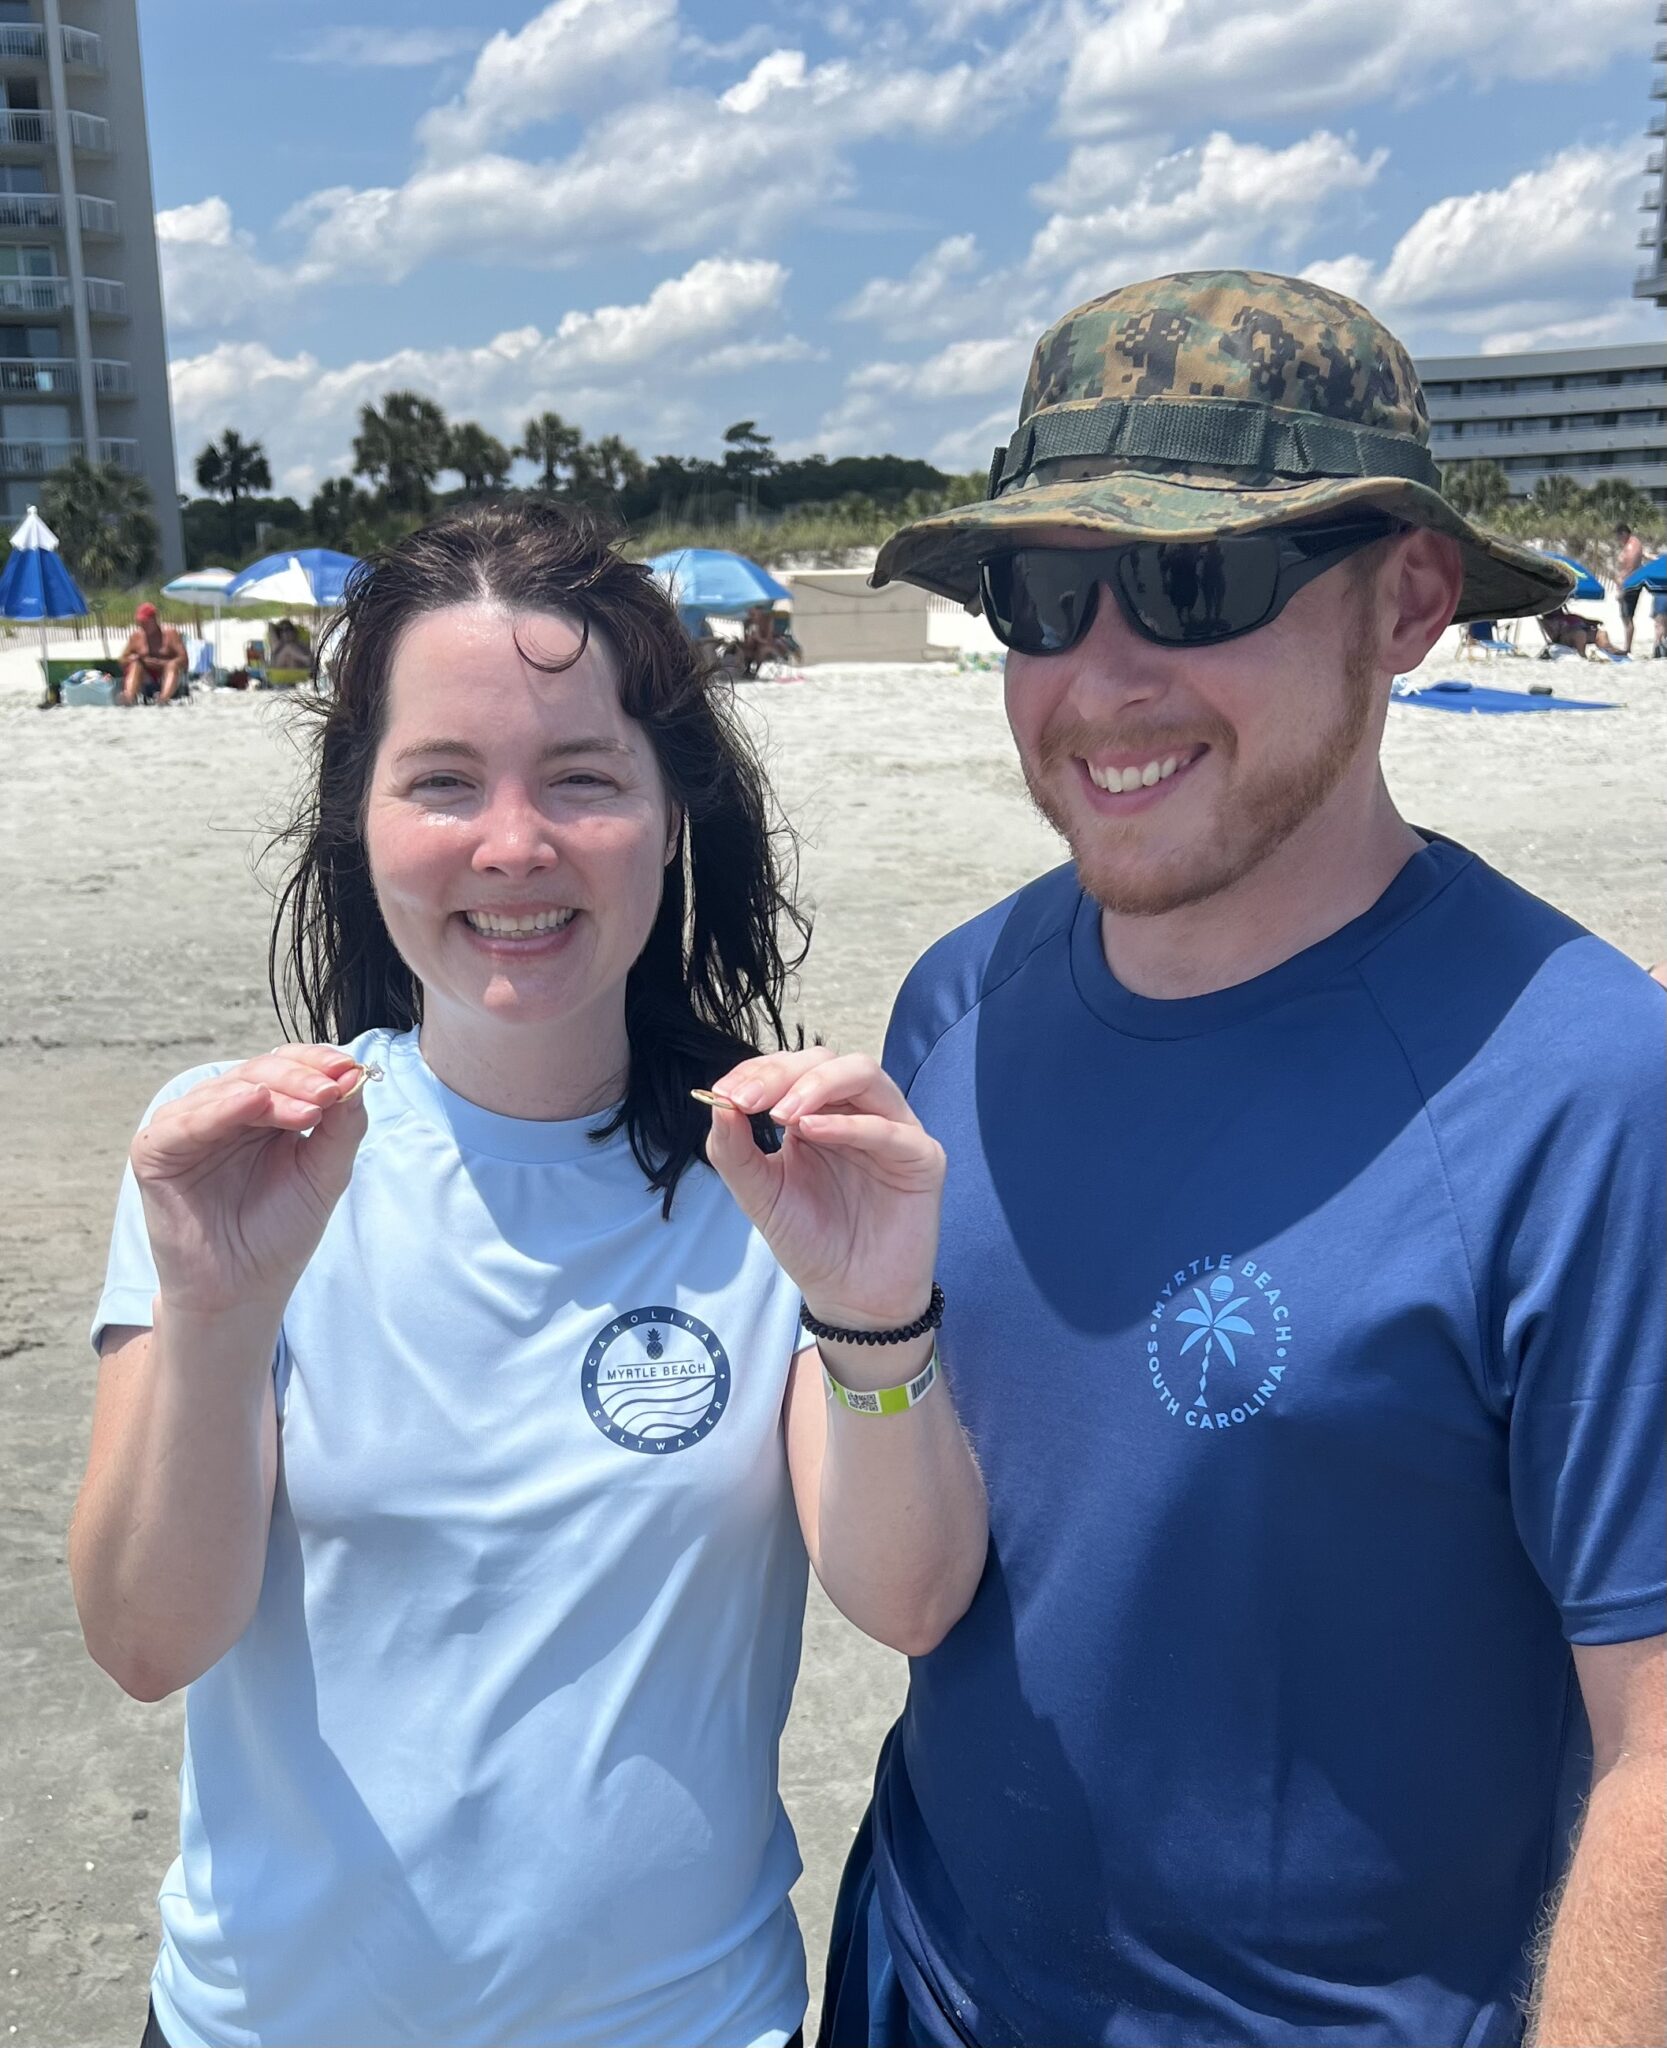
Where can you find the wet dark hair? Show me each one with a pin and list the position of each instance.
(708, 987)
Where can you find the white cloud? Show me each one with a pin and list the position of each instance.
(1222, 201)
(387, 49)
(964, 448)
(567, 56)
(211, 276)
(672, 168)
(607, 368)
(752, 355)
(1531, 263)
(965, 369)
(1143, 64)
(933, 298)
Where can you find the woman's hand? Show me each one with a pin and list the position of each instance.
(236, 1192)
(850, 1203)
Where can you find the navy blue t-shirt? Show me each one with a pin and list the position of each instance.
(1310, 1336)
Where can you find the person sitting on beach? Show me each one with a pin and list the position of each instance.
(1303, 1244)
(457, 1442)
(1563, 628)
(287, 646)
(154, 656)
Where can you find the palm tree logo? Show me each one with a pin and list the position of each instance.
(1215, 1325)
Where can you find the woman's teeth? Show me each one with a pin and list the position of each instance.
(1118, 781)
(491, 926)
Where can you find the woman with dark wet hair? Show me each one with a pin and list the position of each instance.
(458, 1443)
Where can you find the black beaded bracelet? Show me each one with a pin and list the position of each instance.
(932, 1320)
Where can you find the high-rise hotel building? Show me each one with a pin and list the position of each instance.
(83, 362)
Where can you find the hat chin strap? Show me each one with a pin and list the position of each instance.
(1225, 433)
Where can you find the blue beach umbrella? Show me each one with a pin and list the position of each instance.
(314, 577)
(1587, 584)
(1649, 576)
(34, 583)
(706, 580)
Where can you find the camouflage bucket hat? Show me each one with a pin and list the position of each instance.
(1208, 403)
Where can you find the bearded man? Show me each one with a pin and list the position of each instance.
(1303, 1253)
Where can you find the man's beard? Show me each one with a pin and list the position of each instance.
(1258, 820)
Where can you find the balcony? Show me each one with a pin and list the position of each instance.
(36, 458)
(34, 294)
(24, 42)
(38, 376)
(106, 298)
(123, 454)
(99, 216)
(112, 379)
(27, 128)
(90, 133)
(32, 210)
(83, 51)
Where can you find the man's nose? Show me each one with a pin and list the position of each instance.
(1112, 665)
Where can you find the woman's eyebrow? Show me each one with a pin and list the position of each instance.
(466, 750)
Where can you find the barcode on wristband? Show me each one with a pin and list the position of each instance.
(885, 1400)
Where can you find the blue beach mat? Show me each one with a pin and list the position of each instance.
(1462, 696)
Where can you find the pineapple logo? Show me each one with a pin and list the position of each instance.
(654, 1344)
(1236, 1311)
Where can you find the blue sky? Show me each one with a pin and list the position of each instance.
(848, 220)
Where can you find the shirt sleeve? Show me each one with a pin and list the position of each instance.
(1584, 1336)
(130, 1271)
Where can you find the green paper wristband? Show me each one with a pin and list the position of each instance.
(886, 1400)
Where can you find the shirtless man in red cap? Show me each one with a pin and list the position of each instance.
(154, 653)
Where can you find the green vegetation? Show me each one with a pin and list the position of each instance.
(750, 497)
(1558, 514)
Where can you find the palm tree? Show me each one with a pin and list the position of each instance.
(104, 520)
(1215, 1325)
(553, 445)
(337, 507)
(1475, 488)
(479, 458)
(232, 468)
(402, 449)
(602, 469)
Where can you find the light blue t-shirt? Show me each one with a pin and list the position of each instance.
(495, 1759)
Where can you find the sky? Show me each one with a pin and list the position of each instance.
(848, 220)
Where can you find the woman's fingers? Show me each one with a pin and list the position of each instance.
(219, 1114)
(851, 1081)
(906, 1154)
(752, 1177)
(758, 1083)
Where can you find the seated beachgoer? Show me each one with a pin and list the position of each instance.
(287, 646)
(1563, 628)
(154, 654)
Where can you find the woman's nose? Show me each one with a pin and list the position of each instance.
(514, 835)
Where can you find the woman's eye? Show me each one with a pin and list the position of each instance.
(440, 785)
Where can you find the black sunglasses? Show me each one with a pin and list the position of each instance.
(1175, 593)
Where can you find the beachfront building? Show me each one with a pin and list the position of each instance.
(83, 366)
(1652, 239)
(1586, 413)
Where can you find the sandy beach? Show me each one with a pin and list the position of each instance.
(134, 944)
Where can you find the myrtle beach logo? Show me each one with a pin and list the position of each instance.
(655, 1380)
(1218, 1342)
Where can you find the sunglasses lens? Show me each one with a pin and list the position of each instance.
(1037, 600)
(1187, 593)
